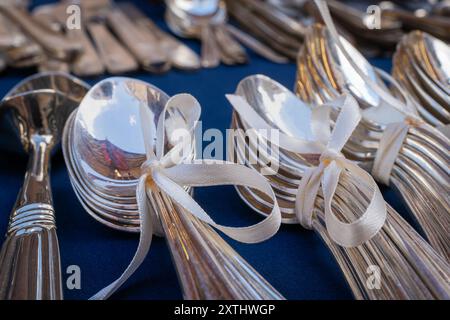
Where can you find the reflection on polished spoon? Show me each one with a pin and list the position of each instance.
(208, 268)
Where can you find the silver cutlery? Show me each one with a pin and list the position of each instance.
(102, 159)
(87, 62)
(421, 65)
(141, 44)
(37, 108)
(409, 267)
(196, 19)
(422, 164)
(207, 21)
(54, 44)
(115, 57)
(180, 55)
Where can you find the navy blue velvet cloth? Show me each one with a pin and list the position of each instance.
(295, 261)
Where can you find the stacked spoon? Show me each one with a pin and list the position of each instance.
(420, 172)
(409, 267)
(421, 65)
(206, 20)
(104, 151)
(269, 24)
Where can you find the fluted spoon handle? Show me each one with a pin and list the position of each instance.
(207, 267)
(29, 258)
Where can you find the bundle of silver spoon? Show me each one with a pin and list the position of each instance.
(422, 162)
(395, 248)
(421, 64)
(374, 27)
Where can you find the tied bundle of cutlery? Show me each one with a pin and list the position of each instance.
(303, 152)
(221, 42)
(88, 38)
(392, 141)
(277, 30)
(107, 166)
(375, 27)
(421, 65)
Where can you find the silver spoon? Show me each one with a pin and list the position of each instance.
(29, 258)
(207, 266)
(195, 18)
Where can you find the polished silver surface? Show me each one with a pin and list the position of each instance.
(206, 20)
(36, 109)
(421, 64)
(397, 247)
(106, 182)
(422, 163)
(195, 19)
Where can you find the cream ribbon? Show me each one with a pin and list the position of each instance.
(390, 145)
(170, 172)
(395, 133)
(327, 173)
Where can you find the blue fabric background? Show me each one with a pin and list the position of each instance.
(295, 261)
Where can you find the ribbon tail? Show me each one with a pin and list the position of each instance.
(368, 224)
(145, 240)
(390, 144)
(346, 123)
(306, 196)
(170, 181)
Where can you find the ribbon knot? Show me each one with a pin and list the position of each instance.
(395, 133)
(149, 165)
(413, 121)
(330, 155)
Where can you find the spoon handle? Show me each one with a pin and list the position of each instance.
(207, 267)
(256, 45)
(56, 45)
(229, 46)
(29, 258)
(180, 55)
(210, 51)
(115, 57)
(143, 45)
(89, 62)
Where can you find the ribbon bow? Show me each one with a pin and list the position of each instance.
(172, 170)
(326, 174)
